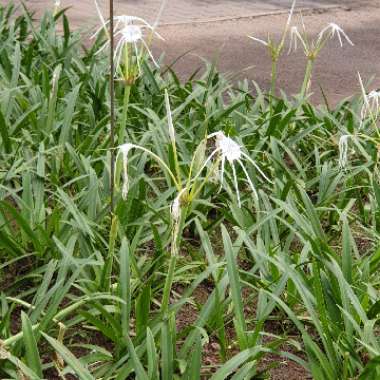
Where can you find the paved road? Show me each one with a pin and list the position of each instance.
(83, 12)
(219, 28)
(336, 68)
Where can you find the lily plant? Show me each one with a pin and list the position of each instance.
(275, 49)
(133, 36)
(312, 48)
(200, 172)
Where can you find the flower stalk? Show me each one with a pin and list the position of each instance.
(188, 188)
(314, 47)
(307, 78)
(112, 104)
(275, 51)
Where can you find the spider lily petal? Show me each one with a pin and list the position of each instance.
(296, 36)
(291, 12)
(236, 184)
(251, 185)
(103, 21)
(333, 29)
(293, 45)
(265, 43)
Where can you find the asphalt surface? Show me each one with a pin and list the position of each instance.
(218, 29)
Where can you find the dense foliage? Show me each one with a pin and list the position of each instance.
(290, 275)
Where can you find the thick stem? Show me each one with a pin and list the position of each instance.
(273, 79)
(112, 107)
(124, 117)
(107, 269)
(175, 244)
(306, 81)
(168, 285)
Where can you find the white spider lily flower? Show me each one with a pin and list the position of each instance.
(343, 151)
(121, 21)
(231, 152)
(129, 30)
(170, 118)
(124, 150)
(296, 36)
(57, 3)
(333, 29)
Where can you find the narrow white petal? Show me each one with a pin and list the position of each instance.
(236, 184)
(259, 40)
(150, 53)
(209, 158)
(256, 166)
(222, 170)
(104, 23)
(248, 179)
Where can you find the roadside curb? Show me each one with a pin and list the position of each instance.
(305, 11)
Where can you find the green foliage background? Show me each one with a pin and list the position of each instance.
(294, 273)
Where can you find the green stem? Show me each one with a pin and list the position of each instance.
(107, 269)
(306, 81)
(124, 117)
(175, 244)
(176, 163)
(273, 80)
(168, 285)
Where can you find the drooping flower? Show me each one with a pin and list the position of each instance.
(124, 150)
(343, 151)
(333, 29)
(170, 118)
(231, 152)
(176, 207)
